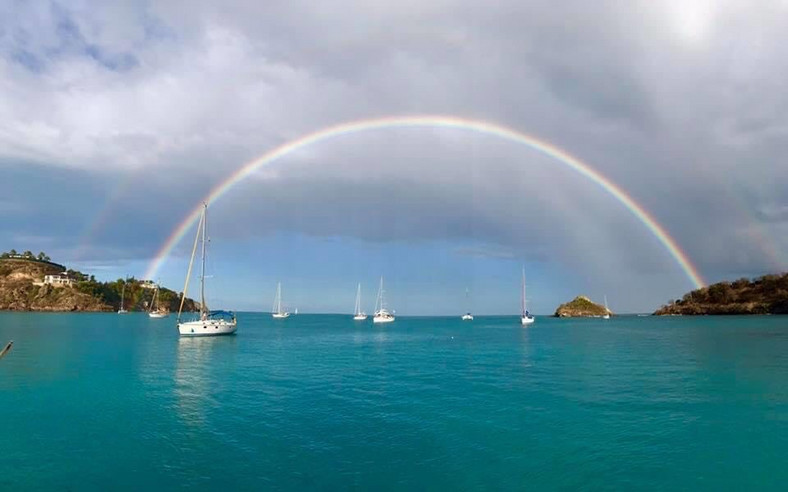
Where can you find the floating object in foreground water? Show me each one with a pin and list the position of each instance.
(6, 349)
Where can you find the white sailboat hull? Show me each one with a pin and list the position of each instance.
(122, 311)
(207, 328)
(467, 317)
(360, 317)
(158, 315)
(280, 315)
(383, 316)
(526, 320)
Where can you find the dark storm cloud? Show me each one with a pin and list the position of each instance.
(681, 103)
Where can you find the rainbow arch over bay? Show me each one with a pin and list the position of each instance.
(431, 121)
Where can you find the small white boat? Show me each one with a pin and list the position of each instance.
(276, 310)
(123, 297)
(358, 315)
(382, 315)
(467, 316)
(209, 323)
(607, 311)
(526, 318)
(155, 311)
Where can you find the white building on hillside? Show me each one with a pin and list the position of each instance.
(59, 280)
(148, 284)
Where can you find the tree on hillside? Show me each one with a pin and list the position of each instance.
(28, 254)
(43, 256)
(12, 252)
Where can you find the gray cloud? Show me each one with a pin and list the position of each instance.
(682, 107)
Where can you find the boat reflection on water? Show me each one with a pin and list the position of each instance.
(200, 363)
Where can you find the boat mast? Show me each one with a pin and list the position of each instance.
(522, 302)
(358, 299)
(191, 264)
(202, 271)
(277, 308)
(379, 300)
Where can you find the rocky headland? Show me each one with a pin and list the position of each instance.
(763, 295)
(23, 288)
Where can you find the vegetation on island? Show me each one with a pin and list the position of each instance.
(581, 306)
(764, 295)
(22, 288)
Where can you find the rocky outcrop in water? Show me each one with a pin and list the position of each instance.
(581, 306)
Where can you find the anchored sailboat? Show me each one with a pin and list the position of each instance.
(210, 323)
(277, 311)
(607, 311)
(381, 313)
(467, 316)
(122, 310)
(358, 315)
(154, 311)
(526, 318)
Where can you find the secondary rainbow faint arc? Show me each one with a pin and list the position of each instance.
(433, 121)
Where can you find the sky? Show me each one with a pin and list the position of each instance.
(118, 118)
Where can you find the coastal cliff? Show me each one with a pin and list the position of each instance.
(581, 306)
(764, 295)
(22, 288)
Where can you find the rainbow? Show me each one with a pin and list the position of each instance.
(451, 122)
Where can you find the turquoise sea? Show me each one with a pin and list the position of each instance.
(119, 402)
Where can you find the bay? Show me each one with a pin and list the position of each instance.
(320, 402)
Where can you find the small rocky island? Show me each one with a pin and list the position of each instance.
(34, 283)
(764, 295)
(579, 307)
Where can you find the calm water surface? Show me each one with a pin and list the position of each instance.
(111, 402)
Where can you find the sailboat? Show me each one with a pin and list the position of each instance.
(467, 316)
(154, 311)
(123, 297)
(381, 313)
(526, 318)
(209, 323)
(607, 311)
(277, 311)
(357, 314)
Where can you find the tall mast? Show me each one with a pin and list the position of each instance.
(202, 271)
(379, 300)
(522, 302)
(358, 299)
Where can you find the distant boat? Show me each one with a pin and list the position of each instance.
(607, 311)
(526, 318)
(123, 297)
(381, 313)
(155, 311)
(210, 323)
(358, 315)
(277, 311)
(467, 316)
